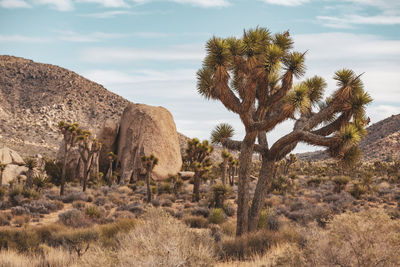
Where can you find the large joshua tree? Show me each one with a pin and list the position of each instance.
(253, 77)
(88, 148)
(198, 160)
(70, 132)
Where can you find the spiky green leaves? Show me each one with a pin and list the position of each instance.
(283, 40)
(205, 83)
(255, 41)
(220, 132)
(316, 87)
(149, 162)
(30, 163)
(225, 154)
(298, 98)
(273, 56)
(218, 53)
(349, 135)
(294, 62)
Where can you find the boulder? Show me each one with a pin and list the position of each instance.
(108, 137)
(8, 156)
(148, 130)
(12, 172)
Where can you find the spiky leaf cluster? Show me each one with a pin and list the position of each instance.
(220, 132)
(149, 162)
(198, 155)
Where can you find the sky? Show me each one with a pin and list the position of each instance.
(149, 51)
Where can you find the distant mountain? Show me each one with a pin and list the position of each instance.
(382, 142)
(34, 97)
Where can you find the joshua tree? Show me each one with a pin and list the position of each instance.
(31, 164)
(111, 158)
(233, 165)
(287, 163)
(253, 77)
(70, 132)
(149, 163)
(198, 160)
(88, 148)
(224, 165)
(2, 168)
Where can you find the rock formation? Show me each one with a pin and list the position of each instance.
(108, 136)
(14, 165)
(148, 130)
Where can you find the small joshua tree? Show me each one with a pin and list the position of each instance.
(70, 132)
(287, 163)
(31, 164)
(149, 162)
(233, 165)
(88, 148)
(111, 158)
(2, 168)
(224, 165)
(198, 160)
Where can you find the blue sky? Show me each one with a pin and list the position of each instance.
(149, 51)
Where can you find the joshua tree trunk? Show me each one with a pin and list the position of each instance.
(246, 154)
(85, 174)
(196, 187)
(264, 182)
(110, 173)
(64, 170)
(148, 187)
(29, 183)
(224, 169)
(1, 178)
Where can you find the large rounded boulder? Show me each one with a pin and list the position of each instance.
(146, 130)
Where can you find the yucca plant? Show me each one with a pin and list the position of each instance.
(109, 176)
(149, 162)
(253, 76)
(31, 164)
(198, 160)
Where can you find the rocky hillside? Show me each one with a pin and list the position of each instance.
(34, 97)
(381, 143)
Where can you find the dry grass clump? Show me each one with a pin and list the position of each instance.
(160, 240)
(157, 240)
(367, 238)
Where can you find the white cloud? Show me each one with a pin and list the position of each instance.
(347, 21)
(61, 5)
(200, 3)
(286, 2)
(122, 54)
(107, 3)
(71, 36)
(386, 5)
(16, 38)
(14, 4)
(107, 14)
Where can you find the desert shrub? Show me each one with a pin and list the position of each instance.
(178, 186)
(367, 238)
(245, 246)
(219, 195)
(166, 203)
(79, 204)
(269, 220)
(322, 214)
(19, 191)
(160, 240)
(340, 183)
(20, 220)
(74, 218)
(357, 190)
(5, 218)
(165, 188)
(314, 181)
(229, 209)
(77, 240)
(92, 211)
(74, 196)
(155, 202)
(154, 189)
(54, 171)
(201, 211)
(108, 232)
(217, 216)
(3, 192)
(228, 228)
(195, 221)
(281, 185)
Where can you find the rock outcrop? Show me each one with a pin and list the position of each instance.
(34, 97)
(108, 136)
(148, 130)
(14, 165)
